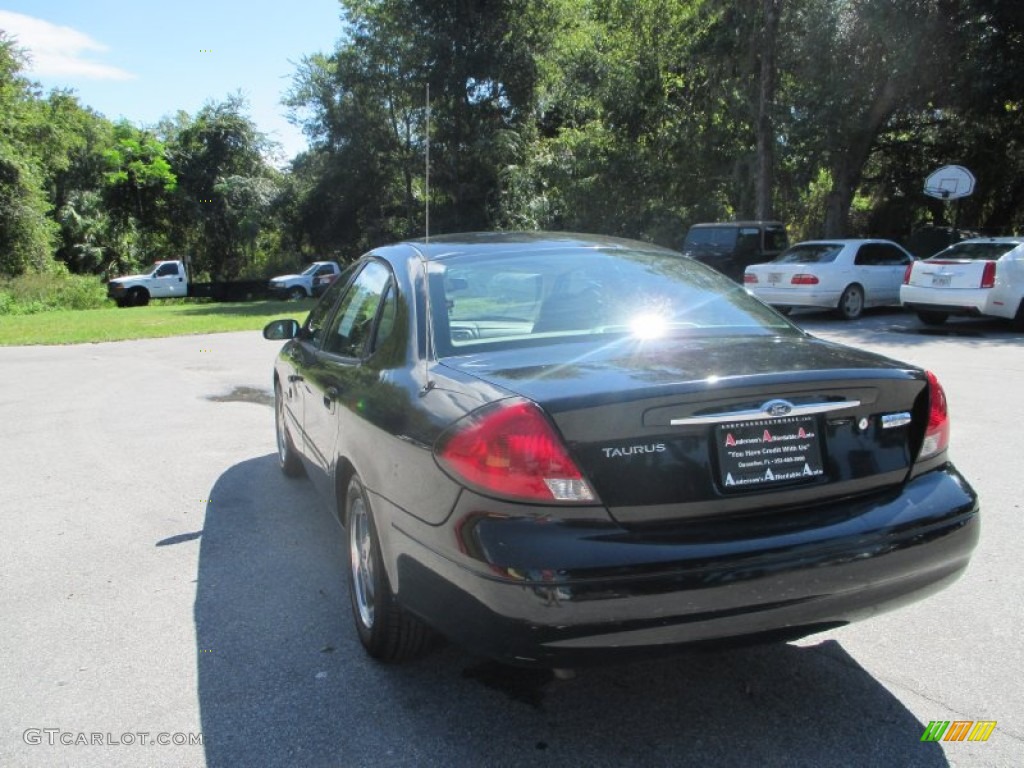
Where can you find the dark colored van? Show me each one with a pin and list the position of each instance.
(732, 246)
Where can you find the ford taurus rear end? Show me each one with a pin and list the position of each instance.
(657, 460)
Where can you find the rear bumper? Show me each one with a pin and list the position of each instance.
(970, 303)
(946, 309)
(793, 298)
(537, 590)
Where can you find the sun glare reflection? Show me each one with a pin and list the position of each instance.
(648, 326)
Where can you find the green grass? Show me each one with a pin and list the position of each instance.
(153, 321)
(32, 293)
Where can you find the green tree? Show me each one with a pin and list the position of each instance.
(27, 234)
(224, 186)
(853, 68)
(645, 118)
(364, 107)
(138, 183)
(74, 142)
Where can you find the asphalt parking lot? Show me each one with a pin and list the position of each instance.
(162, 579)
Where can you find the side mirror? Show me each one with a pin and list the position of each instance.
(279, 330)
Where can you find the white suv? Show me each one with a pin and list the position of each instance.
(983, 276)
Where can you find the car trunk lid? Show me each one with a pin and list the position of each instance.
(691, 428)
(948, 273)
(780, 276)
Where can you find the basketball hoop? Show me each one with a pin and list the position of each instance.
(951, 182)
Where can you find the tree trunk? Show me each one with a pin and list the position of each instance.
(848, 162)
(765, 177)
(837, 203)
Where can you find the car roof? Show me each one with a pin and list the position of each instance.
(1018, 239)
(845, 241)
(446, 246)
(750, 223)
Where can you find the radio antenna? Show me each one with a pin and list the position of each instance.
(427, 196)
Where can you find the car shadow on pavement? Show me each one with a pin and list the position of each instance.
(283, 680)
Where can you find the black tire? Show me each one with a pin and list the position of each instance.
(851, 303)
(1017, 323)
(296, 293)
(386, 630)
(138, 297)
(932, 318)
(287, 457)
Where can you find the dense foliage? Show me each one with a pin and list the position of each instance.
(627, 117)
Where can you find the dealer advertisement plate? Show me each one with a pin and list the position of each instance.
(758, 454)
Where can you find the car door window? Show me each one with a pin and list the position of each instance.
(867, 256)
(313, 328)
(167, 270)
(892, 256)
(353, 323)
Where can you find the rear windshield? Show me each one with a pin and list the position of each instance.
(975, 251)
(810, 253)
(530, 298)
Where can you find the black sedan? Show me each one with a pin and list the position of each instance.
(556, 449)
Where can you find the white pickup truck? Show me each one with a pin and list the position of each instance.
(310, 282)
(166, 280)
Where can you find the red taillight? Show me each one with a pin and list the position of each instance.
(804, 279)
(748, 277)
(936, 436)
(988, 276)
(906, 274)
(512, 450)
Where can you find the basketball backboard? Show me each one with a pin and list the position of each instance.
(949, 183)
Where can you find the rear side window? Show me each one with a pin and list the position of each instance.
(720, 237)
(810, 253)
(967, 251)
(386, 323)
(749, 240)
(775, 239)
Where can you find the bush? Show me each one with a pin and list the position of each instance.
(32, 293)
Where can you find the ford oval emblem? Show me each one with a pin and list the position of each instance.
(778, 408)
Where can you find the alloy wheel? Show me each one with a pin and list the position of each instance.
(361, 558)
